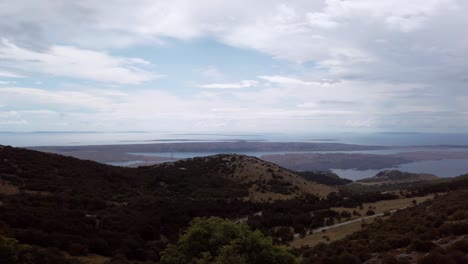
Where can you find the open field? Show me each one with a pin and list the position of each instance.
(329, 235)
(8, 189)
(383, 206)
(92, 259)
(341, 231)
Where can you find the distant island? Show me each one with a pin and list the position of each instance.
(297, 156)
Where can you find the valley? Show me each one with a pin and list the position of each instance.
(96, 213)
(233, 132)
(347, 160)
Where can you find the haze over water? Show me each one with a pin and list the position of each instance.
(22, 139)
(401, 142)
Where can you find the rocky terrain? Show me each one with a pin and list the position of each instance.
(265, 180)
(397, 177)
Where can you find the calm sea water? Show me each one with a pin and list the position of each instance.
(441, 168)
(95, 138)
(444, 168)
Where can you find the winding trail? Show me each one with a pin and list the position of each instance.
(318, 230)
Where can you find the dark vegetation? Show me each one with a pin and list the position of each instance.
(460, 182)
(83, 207)
(398, 176)
(215, 240)
(324, 177)
(13, 253)
(431, 227)
(210, 147)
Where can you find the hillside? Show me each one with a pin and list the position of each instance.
(264, 180)
(397, 177)
(213, 176)
(435, 231)
(324, 177)
(34, 171)
(84, 207)
(85, 210)
(225, 146)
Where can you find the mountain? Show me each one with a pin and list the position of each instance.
(397, 177)
(324, 177)
(263, 180)
(34, 171)
(84, 207)
(213, 176)
(431, 232)
(65, 210)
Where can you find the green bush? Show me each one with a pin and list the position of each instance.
(215, 240)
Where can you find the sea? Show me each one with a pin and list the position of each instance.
(400, 142)
(45, 138)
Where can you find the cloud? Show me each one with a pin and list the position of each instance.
(321, 20)
(386, 40)
(9, 74)
(287, 80)
(211, 72)
(360, 64)
(356, 123)
(279, 108)
(238, 85)
(6, 82)
(68, 61)
(65, 99)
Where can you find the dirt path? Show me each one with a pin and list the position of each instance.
(338, 231)
(318, 230)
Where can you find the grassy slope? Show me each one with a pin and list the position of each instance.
(416, 229)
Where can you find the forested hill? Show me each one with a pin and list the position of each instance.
(228, 176)
(53, 207)
(432, 232)
(83, 207)
(324, 177)
(396, 176)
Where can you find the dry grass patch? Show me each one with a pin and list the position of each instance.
(8, 189)
(340, 232)
(330, 235)
(254, 170)
(92, 259)
(384, 206)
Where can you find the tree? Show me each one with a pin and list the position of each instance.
(370, 212)
(217, 241)
(285, 234)
(12, 252)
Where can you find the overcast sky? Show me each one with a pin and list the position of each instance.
(234, 66)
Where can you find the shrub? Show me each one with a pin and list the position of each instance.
(215, 240)
(370, 212)
(422, 246)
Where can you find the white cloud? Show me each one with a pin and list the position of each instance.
(9, 74)
(358, 123)
(282, 108)
(338, 35)
(287, 80)
(321, 20)
(67, 99)
(308, 105)
(370, 64)
(74, 62)
(211, 72)
(6, 82)
(238, 85)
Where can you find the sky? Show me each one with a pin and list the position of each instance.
(222, 66)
